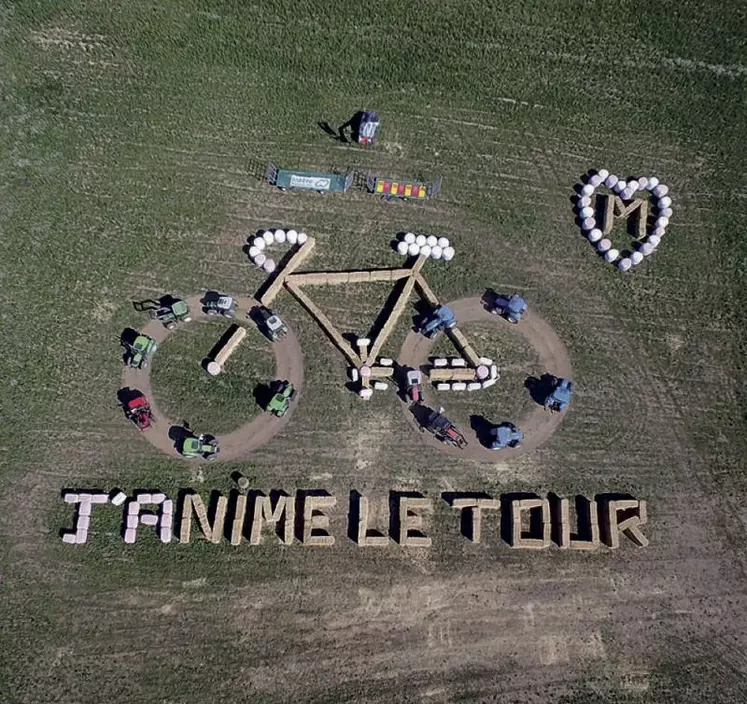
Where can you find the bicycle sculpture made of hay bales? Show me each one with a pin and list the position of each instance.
(368, 370)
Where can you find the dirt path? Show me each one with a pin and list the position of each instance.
(239, 443)
(553, 356)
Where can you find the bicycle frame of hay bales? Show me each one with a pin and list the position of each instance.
(406, 190)
(405, 281)
(319, 181)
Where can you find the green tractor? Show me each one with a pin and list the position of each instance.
(282, 395)
(168, 310)
(200, 447)
(139, 350)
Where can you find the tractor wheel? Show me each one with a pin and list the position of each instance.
(170, 326)
(143, 365)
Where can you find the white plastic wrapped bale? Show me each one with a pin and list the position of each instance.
(402, 248)
(380, 385)
(482, 372)
(636, 258)
(611, 181)
(611, 254)
(620, 186)
(666, 212)
(280, 236)
(119, 498)
(494, 372)
(661, 222)
(149, 519)
(254, 251)
(443, 242)
(584, 202)
(83, 523)
(167, 519)
(646, 249)
(587, 190)
(363, 342)
(485, 360)
(474, 386)
(624, 264)
(459, 386)
(664, 202)
(448, 254)
(413, 250)
(133, 508)
(260, 260)
(431, 240)
(436, 252)
(302, 237)
(71, 498)
(259, 243)
(213, 368)
(586, 212)
(633, 185)
(603, 174)
(595, 180)
(642, 183)
(269, 265)
(158, 498)
(168, 507)
(269, 237)
(130, 535)
(420, 240)
(440, 362)
(69, 538)
(654, 240)
(604, 245)
(100, 498)
(291, 236)
(443, 386)
(386, 361)
(458, 362)
(165, 533)
(659, 231)
(595, 235)
(653, 182)
(661, 190)
(425, 251)
(81, 536)
(589, 224)
(488, 383)
(145, 498)
(627, 194)
(409, 237)
(365, 393)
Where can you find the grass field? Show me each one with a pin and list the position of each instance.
(133, 137)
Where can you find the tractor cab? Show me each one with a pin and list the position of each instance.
(200, 446)
(174, 312)
(139, 351)
(270, 324)
(512, 308)
(219, 304)
(138, 410)
(444, 430)
(560, 396)
(442, 318)
(414, 385)
(369, 124)
(282, 395)
(505, 435)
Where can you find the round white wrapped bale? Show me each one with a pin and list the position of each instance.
(413, 250)
(474, 386)
(584, 202)
(661, 222)
(624, 264)
(666, 213)
(654, 240)
(425, 251)
(459, 386)
(436, 252)
(380, 385)
(611, 254)
(254, 251)
(636, 258)
(661, 190)
(269, 265)
(431, 240)
(420, 240)
(448, 254)
(259, 242)
(627, 194)
(587, 190)
(653, 182)
(646, 249)
(586, 212)
(633, 185)
(280, 236)
(482, 372)
(440, 362)
(409, 237)
(443, 386)
(595, 235)
(604, 245)
(664, 202)
(443, 242)
(213, 368)
(643, 183)
(366, 371)
(291, 236)
(458, 362)
(268, 236)
(302, 237)
(611, 181)
(260, 259)
(620, 186)
(659, 231)
(589, 224)
(354, 375)
(402, 248)
(595, 180)
(365, 393)
(603, 174)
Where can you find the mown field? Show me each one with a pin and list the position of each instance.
(133, 139)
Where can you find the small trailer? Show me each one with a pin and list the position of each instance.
(390, 188)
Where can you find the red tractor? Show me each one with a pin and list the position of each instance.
(137, 409)
(414, 385)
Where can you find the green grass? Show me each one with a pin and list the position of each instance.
(184, 391)
(132, 136)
